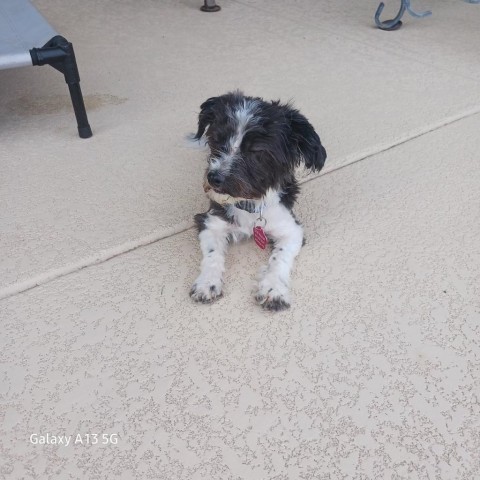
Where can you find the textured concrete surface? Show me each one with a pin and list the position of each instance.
(372, 374)
(145, 72)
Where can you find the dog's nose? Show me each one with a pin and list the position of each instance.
(215, 179)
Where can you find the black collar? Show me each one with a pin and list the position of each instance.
(249, 206)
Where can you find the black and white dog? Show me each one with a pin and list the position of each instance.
(250, 180)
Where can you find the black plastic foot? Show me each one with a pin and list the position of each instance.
(85, 132)
(58, 53)
(210, 6)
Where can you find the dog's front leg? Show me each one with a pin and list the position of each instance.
(274, 285)
(213, 243)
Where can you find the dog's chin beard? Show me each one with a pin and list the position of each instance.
(223, 198)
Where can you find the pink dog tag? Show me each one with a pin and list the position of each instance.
(260, 237)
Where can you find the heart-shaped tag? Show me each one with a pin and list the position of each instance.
(260, 237)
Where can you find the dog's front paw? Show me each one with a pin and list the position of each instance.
(273, 295)
(205, 291)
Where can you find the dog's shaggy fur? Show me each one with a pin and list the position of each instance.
(250, 179)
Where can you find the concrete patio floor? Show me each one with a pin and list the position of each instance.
(373, 373)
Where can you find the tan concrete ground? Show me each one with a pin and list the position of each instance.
(373, 372)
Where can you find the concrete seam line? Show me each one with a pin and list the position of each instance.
(105, 255)
(96, 259)
(400, 141)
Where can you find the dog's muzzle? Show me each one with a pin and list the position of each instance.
(217, 196)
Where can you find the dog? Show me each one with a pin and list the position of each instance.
(255, 147)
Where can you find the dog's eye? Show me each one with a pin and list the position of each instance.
(217, 149)
(215, 141)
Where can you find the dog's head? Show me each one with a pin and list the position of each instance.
(255, 145)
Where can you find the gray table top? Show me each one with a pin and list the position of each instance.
(22, 27)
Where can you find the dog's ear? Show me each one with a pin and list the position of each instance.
(206, 116)
(309, 147)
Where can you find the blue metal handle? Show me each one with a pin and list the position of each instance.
(396, 23)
